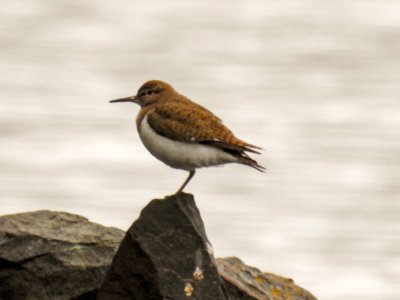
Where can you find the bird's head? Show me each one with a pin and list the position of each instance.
(150, 92)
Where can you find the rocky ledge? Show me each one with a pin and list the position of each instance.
(164, 255)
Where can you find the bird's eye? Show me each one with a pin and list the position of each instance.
(149, 92)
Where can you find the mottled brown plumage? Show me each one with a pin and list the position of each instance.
(183, 121)
(175, 117)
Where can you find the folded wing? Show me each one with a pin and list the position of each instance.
(189, 122)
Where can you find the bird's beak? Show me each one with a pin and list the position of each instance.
(133, 99)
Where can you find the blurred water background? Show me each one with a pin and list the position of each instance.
(316, 83)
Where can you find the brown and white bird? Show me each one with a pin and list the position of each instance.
(183, 134)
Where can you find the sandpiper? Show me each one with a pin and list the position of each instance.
(183, 134)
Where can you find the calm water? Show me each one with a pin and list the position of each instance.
(316, 84)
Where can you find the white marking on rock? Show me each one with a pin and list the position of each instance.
(188, 289)
(210, 249)
(198, 274)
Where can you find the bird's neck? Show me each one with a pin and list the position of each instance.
(143, 112)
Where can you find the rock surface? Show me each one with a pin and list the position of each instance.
(164, 255)
(245, 282)
(53, 255)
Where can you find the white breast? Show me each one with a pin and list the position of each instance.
(181, 155)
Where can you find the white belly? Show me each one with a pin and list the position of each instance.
(181, 155)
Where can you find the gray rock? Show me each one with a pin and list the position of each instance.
(53, 255)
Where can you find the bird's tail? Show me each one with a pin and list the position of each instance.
(247, 160)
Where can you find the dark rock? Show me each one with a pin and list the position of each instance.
(53, 255)
(165, 255)
(166, 251)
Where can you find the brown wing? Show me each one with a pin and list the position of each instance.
(187, 121)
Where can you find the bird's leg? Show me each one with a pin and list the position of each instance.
(191, 174)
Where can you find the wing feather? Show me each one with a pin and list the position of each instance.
(186, 121)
